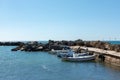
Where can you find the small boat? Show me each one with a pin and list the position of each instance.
(79, 58)
(58, 51)
(70, 54)
(63, 49)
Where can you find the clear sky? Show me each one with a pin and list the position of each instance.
(59, 19)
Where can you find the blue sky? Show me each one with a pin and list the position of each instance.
(59, 20)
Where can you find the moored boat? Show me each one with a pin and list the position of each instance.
(79, 58)
(70, 54)
(58, 51)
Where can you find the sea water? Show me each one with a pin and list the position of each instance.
(114, 42)
(44, 66)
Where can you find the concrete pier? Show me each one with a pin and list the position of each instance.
(111, 57)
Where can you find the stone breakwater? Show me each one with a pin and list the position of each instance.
(10, 43)
(36, 46)
(95, 44)
(58, 45)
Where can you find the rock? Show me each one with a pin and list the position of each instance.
(88, 44)
(16, 49)
(117, 48)
(79, 42)
(31, 46)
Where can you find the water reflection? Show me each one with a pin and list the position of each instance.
(112, 66)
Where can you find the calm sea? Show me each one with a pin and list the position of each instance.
(44, 66)
(114, 42)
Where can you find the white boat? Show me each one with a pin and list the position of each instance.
(69, 54)
(58, 51)
(77, 58)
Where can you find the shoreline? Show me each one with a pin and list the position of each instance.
(105, 51)
(51, 44)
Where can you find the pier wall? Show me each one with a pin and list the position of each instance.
(112, 60)
(110, 57)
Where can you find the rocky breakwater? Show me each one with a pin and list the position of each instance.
(36, 46)
(103, 45)
(59, 45)
(29, 46)
(95, 44)
(10, 43)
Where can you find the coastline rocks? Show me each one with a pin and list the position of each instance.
(30, 46)
(35, 46)
(15, 49)
(10, 43)
(59, 45)
(117, 48)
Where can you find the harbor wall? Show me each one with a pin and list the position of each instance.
(109, 57)
(112, 60)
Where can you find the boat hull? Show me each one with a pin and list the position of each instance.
(79, 59)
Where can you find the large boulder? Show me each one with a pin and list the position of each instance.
(15, 49)
(117, 48)
(79, 42)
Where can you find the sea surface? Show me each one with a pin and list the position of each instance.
(114, 42)
(44, 66)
